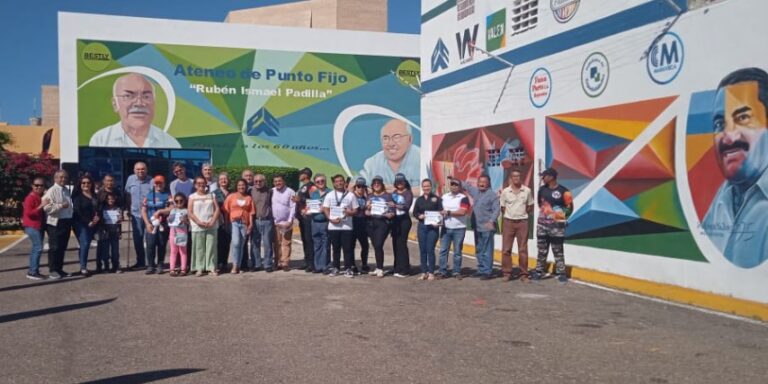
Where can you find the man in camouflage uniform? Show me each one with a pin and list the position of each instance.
(555, 206)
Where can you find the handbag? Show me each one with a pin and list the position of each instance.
(179, 238)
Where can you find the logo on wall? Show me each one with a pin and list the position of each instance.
(464, 8)
(594, 74)
(665, 59)
(466, 44)
(262, 122)
(440, 56)
(495, 32)
(540, 87)
(564, 10)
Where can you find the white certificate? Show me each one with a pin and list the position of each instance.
(111, 216)
(378, 208)
(433, 218)
(337, 212)
(313, 206)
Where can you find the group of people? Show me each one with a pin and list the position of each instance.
(208, 226)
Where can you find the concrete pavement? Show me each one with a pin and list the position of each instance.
(293, 327)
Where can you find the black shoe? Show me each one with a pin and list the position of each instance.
(269, 269)
(149, 271)
(309, 270)
(65, 274)
(477, 275)
(486, 277)
(35, 276)
(365, 270)
(257, 269)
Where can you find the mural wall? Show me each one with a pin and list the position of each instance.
(653, 114)
(254, 96)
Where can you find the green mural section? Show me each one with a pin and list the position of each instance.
(678, 245)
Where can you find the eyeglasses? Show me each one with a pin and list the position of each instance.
(321, 181)
(179, 201)
(38, 185)
(258, 181)
(131, 97)
(396, 138)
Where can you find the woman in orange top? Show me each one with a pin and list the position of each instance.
(240, 210)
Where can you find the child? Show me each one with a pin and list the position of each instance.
(178, 223)
(109, 234)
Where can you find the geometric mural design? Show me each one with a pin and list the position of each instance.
(639, 206)
(496, 150)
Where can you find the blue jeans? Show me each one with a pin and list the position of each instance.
(138, 229)
(156, 243)
(427, 235)
(450, 236)
(484, 251)
(36, 237)
(84, 237)
(262, 235)
(237, 243)
(320, 242)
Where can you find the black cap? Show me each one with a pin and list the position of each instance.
(399, 178)
(377, 179)
(360, 182)
(306, 171)
(549, 172)
(455, 182)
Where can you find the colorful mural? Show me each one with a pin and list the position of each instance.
(495, 150)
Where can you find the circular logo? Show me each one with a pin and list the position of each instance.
(665, 58)
(540, 87)
(594, 74)
(556, 195)
(564, 10)
(408, 72)
(96, 57)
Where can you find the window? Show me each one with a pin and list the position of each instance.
(525, 15)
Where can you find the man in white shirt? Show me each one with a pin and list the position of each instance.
(455, 208)
(516, 206)
(133, 99)
(57, 204)
(339, 206)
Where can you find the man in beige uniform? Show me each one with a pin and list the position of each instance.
(516, 206)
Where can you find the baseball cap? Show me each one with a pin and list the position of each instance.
(549, 172)
(378, 179)
(399, 178)
(306, 171)
(158, 179)
(455, 182)
(360, 182)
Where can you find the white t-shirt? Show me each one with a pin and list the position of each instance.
(453, 203)
(346, 200)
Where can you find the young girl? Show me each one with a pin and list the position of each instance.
(110, 234)
(178, 221)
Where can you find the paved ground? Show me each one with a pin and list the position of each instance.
(295, 327)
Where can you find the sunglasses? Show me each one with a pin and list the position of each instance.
(319, 181)
(38, 185)
(179, 201)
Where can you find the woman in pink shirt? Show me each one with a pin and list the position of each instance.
(240, 209)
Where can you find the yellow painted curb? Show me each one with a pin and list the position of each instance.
(720, 303)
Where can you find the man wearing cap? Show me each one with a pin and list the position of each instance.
(137, 188)
(516, 205)
(455, 208)
(555, 206)
(153, 213)
(484, 215)
(360, 225)
(305, 222)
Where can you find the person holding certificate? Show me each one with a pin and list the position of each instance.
(401, 225)
(314, 211)
(427, 210)
(339, 206)
(380, 208)
(360, 225)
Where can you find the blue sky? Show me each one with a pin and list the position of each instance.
(29, 42)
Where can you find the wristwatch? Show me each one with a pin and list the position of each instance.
(449, 213)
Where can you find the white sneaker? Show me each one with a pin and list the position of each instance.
(379, 272)
(399, 275)
(374, 272)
